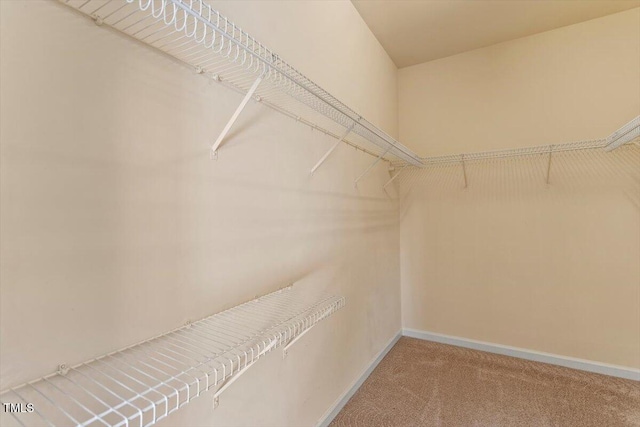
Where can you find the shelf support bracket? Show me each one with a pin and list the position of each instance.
(236, 114)
(464, 171)
(226, 383)
(285, 350)
(386, 184)
(292, 341)
(328, 153)
(371, 166)
(549, 164)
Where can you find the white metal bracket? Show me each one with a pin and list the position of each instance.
(285, 350)
(464, 170)
(328, 153)
(355, 184)
(386, 184)
(549, 164)
(226, 383)
(236, 114)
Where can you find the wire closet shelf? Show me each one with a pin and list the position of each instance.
(628, 133)
(199, 36)
(144, 383)
(517, 152)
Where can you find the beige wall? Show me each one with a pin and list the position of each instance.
(571, 84)
(512, 260)
(116, 226)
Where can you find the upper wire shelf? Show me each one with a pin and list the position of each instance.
(144, 383)
(517, 152)
(199, 36)
(628, 133)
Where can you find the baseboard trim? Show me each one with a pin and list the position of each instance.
(348, 394)
(522, 353)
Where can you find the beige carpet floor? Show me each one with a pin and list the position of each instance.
(421, 383)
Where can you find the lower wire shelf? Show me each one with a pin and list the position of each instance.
(142, 384)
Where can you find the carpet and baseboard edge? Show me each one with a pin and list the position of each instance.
(348, 394)
(522, 353)
(536, 356)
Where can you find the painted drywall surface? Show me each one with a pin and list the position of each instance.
(511, 260)
(116, 225)
(571, 84)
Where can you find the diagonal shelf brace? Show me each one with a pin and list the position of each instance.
(328, 153)
(386, 184)
(236, 114)
(234, 378)
(464, 171)
(291, 342)
(371, 166)
(549, 163)
(285, 350)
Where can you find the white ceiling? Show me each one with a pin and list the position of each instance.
(415, 31)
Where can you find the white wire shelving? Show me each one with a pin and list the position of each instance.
(626, 134)
(629, 133)
(200, 37)
(144, 383)
(517, 152)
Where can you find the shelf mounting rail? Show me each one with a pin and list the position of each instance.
(144, 383)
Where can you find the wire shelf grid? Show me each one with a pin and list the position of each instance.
(628, 133)
(512, 152)
(518, 152)
(199, 36)
(144, 383)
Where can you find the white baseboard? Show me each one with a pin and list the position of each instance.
(536, 356)
(342, 400)
(522, 353)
